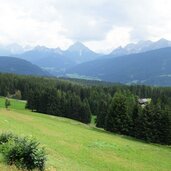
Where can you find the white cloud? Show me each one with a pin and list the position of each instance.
(18, 26)
(116, 36)
(101, 24)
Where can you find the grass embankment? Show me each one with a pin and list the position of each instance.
(72, 146)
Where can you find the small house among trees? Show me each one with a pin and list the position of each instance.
(144, 101)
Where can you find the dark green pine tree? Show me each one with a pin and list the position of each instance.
(53, 105)
(136, 119)
(75, 107)
(154, 124)
(103, 110)
(118, 119)
(85, 112)
(37, 102)
(30, 100)
(63, 105)
(147, 123)
(162, 127)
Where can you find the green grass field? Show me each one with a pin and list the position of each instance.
(72, 146)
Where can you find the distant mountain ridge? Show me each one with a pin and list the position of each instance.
(52, 60)
(55, 60)
(20, 66)
(142, 46)
(152, 67)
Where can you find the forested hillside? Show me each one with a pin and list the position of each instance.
(116, 106)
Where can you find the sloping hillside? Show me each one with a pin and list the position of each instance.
(20, 66)
(71, 145)
(151, 67)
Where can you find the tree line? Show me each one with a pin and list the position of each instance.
(116, 106)
(124, 115)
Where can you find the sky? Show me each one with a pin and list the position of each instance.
(102, 25)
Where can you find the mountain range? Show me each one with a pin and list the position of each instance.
(142, 46)
(124, 64)
(51, 60)
(55, 60)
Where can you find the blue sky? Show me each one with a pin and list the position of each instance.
(101, 24)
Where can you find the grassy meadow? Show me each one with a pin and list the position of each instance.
(73, 146)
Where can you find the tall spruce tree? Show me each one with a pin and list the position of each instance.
(103, 110)
(85, 112)
(147, 123)
(136, 119)
(118, 119)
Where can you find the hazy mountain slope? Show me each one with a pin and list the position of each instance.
(153, 67)
(20, 66)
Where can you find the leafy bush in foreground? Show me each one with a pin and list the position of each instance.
(24, 152)
(5, 137)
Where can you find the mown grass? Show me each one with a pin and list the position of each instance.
(73, 146)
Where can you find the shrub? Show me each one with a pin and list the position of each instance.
(7, 103)
(24, 152)
(5, 137)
